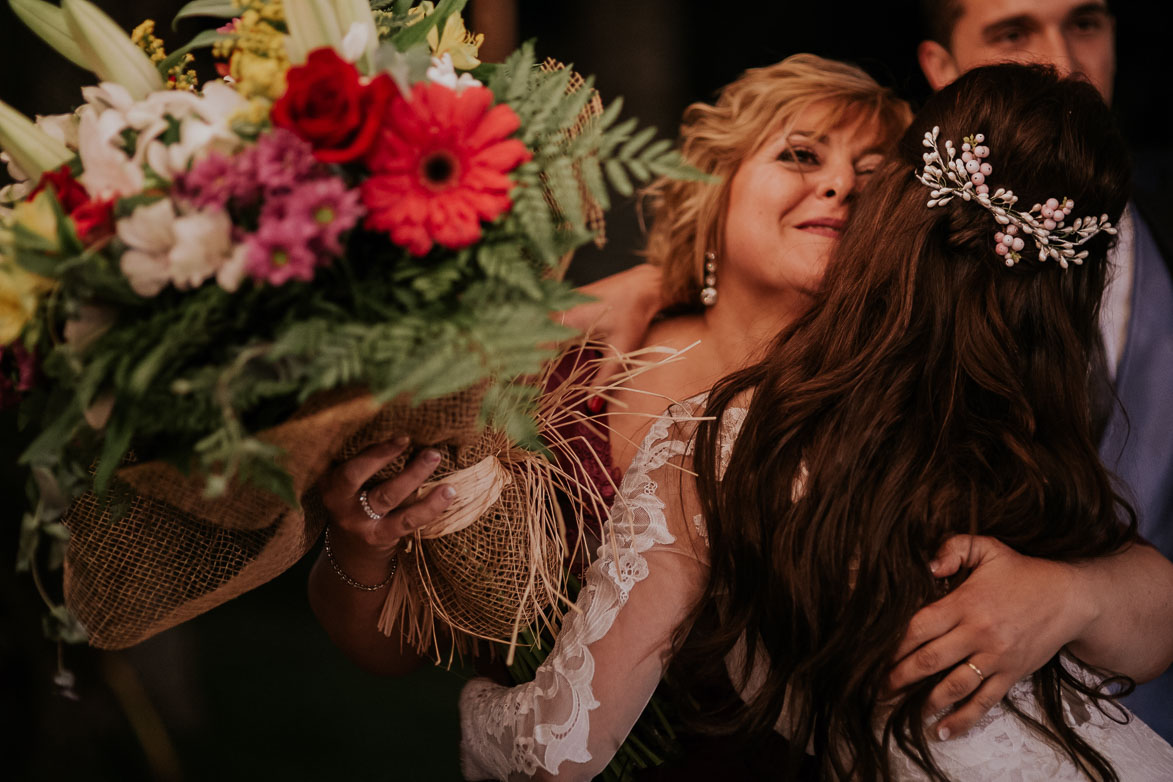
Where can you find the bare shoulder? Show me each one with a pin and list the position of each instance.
(648, 395)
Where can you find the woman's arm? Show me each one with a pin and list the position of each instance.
(364, 551)
(571, 719)
(1015, 612)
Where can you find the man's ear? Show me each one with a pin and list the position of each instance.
(937, 64)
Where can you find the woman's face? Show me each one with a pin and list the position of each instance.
(788, 202)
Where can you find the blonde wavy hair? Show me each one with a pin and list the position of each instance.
(689, 217)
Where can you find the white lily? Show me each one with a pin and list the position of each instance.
(163, 247)
(108, 172)
(312, 24)
(444, 72)
(32, 150)
(362, 36)
(109, 50)
(48, 22)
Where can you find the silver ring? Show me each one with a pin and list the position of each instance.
(366, 506)
(976, 670)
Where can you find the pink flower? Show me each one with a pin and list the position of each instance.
(279, 251)
(279, 161)
(440, 165)
(327, 206)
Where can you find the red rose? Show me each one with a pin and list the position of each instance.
(70, 193)
(327, 104)
(94, 220)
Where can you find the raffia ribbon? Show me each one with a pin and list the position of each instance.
(477, 489)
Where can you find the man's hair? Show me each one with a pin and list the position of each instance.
(938, 18)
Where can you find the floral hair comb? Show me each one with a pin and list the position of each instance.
(965, 177)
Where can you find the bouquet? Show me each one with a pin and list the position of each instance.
(211, 293)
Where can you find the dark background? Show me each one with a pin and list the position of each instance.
(254, 690)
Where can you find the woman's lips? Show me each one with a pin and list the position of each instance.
(828, 227)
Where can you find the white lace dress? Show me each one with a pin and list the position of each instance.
(569, 722)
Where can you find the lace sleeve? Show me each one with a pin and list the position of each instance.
(610, 654)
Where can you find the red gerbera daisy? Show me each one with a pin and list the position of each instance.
(439, 167)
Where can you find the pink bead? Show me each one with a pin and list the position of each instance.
(998, 237)
(1017, 244)
(1048, 211)
(1007, 240)
(977, 178)
(986, 169)
(980, 137)
(1049, 225)
(1069, 206)
(966, 148)
(1001, 249)
(1053, 203)
(966, 156)
(982, 152)
(1012, 229)
(972, 166)
(983, 189)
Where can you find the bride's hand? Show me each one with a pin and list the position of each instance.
(1005, 621)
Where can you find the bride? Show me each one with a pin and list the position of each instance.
(937, 386)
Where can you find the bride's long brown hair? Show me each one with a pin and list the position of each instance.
(930, 390)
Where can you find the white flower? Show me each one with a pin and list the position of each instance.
(444, 72)
(107, 171)
(230, 275)
(184, 250)
(354, 43)
(203, 241)
(62, 127)
(149, 235)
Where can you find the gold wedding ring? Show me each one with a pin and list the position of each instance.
(976, 670)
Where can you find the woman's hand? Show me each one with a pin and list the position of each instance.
(1015, 612)
(363, 546)
(624, 306)
(1004, 622)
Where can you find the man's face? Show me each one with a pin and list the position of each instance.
(1072, 35)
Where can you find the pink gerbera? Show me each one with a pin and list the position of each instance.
(439, 167)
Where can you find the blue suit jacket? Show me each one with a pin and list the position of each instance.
(1138, 442)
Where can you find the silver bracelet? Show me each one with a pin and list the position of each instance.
(350, 581)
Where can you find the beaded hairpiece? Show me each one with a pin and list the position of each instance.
(1044, 223)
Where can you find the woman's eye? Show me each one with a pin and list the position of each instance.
(799, 155)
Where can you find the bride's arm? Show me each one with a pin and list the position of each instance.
(1015, 612)
(570, 720)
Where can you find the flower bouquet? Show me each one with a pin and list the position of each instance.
(211, 294)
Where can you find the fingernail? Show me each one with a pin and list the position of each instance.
(431, 455)
(934, 566)
(401, 439)
(943, 733)
(447, 492)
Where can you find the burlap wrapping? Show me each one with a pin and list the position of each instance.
(174, 554)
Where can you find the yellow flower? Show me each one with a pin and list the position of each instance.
(458, 42)
(20, 293)
(37, 216)
(455, 40)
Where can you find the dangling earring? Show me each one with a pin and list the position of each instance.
(709, 292)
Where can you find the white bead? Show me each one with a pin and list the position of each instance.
(965, 147)
(1012, 229)
(980, 137)
(983, 189)
(1008, 240)
(1049, 225)
(966, 156)
(982, 151)
(1017, 244)
(972, 166)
